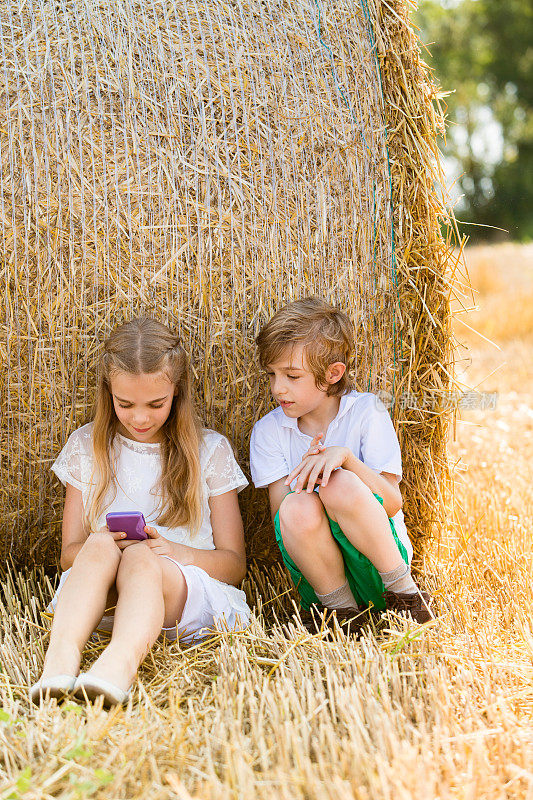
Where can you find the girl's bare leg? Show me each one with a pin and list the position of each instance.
(81, 604)
(151, 593)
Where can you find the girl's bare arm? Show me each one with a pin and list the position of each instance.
(228, 561)
(74, 533)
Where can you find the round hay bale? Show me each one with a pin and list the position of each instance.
(205, 163)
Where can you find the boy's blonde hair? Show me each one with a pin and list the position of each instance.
(146, 346)
(325, 332)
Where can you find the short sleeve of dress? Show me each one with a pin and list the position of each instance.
(222, 473)
(71, 464)
(380, 449)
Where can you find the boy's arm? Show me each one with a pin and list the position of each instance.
(268, 462)
(316, 469)
(277, 491)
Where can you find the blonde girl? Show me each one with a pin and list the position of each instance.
(144, 451)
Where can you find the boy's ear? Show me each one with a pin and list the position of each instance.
(335, 372)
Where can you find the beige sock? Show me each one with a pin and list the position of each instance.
(338, 598)
(399, 580)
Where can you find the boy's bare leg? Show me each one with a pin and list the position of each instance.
(364, 522)
(362, 518)
(308, 540)
(151, 592)
(81, 604)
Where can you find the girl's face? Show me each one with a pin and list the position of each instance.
(142, 404)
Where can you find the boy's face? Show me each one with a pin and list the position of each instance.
(293, 385)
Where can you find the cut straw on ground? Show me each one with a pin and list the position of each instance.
(437, 712)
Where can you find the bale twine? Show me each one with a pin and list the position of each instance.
(205, 163)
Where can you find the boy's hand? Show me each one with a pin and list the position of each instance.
(316, 469)
(316, 446)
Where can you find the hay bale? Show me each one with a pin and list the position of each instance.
(205, 163)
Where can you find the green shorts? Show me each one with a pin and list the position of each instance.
(363, 578)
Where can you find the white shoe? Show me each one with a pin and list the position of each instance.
(89, 687)
(58, 687)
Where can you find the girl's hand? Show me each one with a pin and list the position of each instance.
(316, 469)
(163, 547)
(128, 542)
(116, 535)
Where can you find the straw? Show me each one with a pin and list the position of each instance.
(205, 163)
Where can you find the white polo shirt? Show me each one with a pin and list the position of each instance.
(363, 424)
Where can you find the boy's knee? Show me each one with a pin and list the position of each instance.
(300, 515)
(344, 489)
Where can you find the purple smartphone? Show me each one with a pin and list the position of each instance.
(131, 522)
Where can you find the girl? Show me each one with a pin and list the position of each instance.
(145, 451)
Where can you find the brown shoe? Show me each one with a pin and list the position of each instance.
(418, 605)
(312, 618)
(350, 620)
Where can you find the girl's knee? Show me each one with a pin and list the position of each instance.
(344, 489)
(138, 561)
(102, 547)
(139, 558)
(300, 515)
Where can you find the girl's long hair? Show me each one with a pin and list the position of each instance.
(146, 346)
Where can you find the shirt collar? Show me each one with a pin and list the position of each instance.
(289, 422)
(347, 401)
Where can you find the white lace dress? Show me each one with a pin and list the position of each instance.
(138, 467)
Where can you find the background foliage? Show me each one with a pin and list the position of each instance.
(482, 51)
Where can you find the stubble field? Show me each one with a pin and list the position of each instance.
(439, 711)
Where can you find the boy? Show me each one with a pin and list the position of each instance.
(340, 529)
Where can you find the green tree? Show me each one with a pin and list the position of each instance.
(482, 50)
